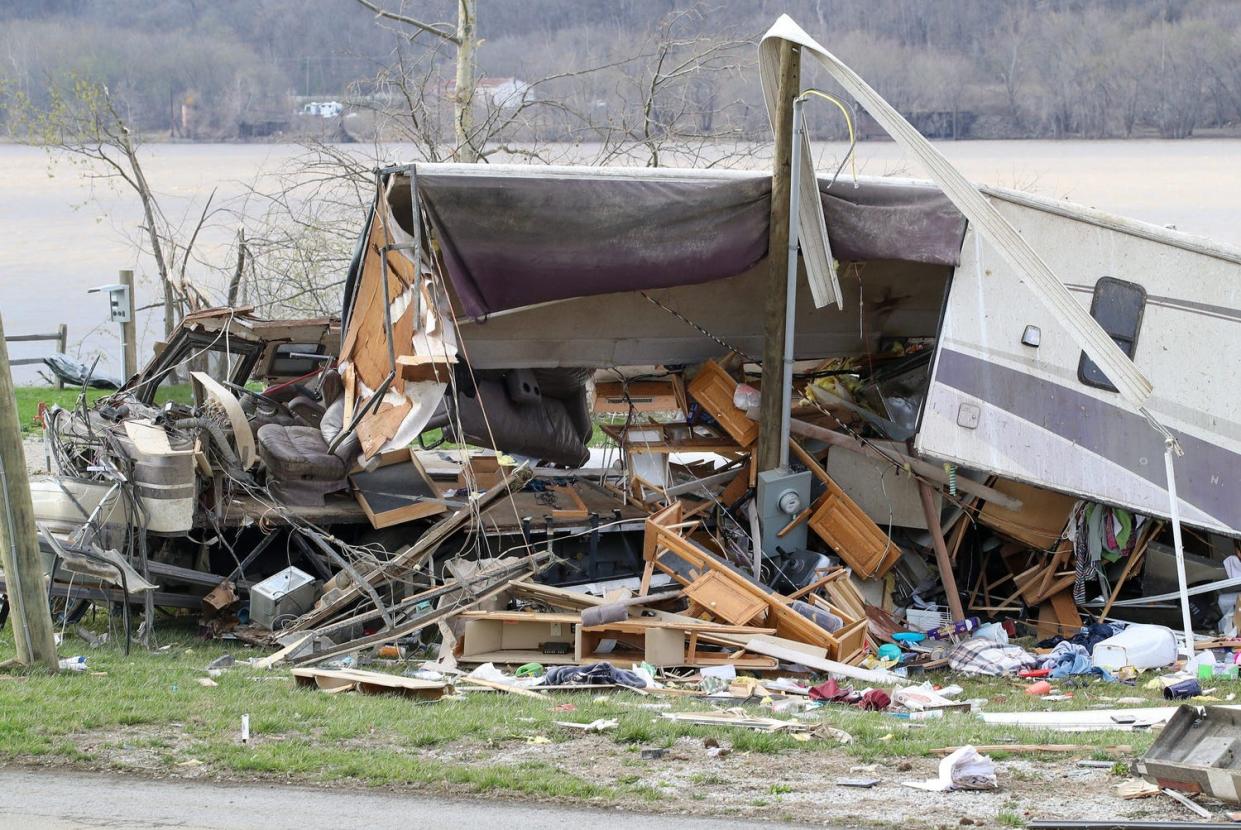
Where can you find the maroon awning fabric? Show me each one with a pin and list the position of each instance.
(516, 237)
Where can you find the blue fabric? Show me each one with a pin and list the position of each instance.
(1069, 659)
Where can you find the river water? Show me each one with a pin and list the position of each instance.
(63, 231)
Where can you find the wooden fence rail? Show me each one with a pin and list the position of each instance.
(61, 337)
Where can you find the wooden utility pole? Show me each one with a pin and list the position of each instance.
(19, 542)
(770, 441)
(129, 331)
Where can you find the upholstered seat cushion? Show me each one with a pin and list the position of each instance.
(297, 453)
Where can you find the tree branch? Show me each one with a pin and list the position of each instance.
(409, 21)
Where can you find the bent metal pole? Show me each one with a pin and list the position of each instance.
(1174, 513)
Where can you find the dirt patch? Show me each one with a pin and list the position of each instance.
(788, 786)
(36, 461)
(802, 786)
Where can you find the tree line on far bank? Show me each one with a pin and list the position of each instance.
(234, 69)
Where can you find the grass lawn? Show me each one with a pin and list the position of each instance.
(151, 703)
(29, 398)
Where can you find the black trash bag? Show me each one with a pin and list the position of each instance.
(75, 373)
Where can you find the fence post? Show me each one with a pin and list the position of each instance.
(129, 332)
(62, 346)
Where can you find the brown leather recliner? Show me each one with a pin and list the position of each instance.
(300, 469)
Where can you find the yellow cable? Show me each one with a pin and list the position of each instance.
(852, 156)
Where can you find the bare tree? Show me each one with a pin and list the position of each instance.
(466, 43)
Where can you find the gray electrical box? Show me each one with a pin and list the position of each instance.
(282, 597)
(781, 496)
(118, 301)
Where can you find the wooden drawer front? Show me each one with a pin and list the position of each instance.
(713, 388)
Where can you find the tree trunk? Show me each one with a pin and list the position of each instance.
(157, 248)
(463, 113)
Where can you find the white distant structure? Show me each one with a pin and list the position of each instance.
(506, 93)
(324, 109)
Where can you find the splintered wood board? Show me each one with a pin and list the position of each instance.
(379, 425)
(370, 682)
(713, 388)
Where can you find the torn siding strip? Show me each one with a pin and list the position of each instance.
(978, 211)
(816, 249)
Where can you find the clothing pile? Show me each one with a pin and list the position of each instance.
(1101, 533)
(979, 655)
(871, 700)
(1088, 636)
(1068, 659)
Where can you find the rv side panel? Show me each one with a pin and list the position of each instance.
(1041, 414)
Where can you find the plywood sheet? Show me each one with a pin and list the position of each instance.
(1041, 520)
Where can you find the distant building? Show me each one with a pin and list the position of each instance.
(500, 93)
(323, 109)
(506, 93)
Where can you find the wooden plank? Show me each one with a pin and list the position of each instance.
(1059, 616)
(773, 394)
(1040, 521)
(411, 557)
(503, 687)
(371, 682)
(946, 577)
(577, 513)
(787, 655)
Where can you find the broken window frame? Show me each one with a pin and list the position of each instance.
(1087, 372)
(180, 351)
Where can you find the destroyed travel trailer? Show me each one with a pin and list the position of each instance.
(533, 438)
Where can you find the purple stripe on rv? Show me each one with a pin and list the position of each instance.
(1208, 476)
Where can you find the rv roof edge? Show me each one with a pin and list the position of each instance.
(1122, 224)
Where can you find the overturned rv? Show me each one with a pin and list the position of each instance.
(515, 309)
(560, 270)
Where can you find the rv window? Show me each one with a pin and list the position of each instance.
(284, 364)
(1117, 305)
